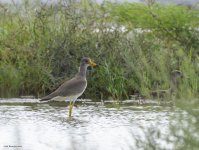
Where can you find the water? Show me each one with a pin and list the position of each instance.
(36, 126)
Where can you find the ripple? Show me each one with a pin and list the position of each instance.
(43, 126)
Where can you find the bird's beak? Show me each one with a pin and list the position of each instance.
(93, 64)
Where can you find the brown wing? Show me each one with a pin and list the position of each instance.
(72, 87)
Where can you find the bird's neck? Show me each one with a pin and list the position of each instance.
(82, 70)
(173, 85)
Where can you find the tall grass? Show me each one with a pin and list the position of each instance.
(42, 44)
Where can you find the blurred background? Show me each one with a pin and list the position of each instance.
(136, 44)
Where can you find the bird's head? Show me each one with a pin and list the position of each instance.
(87, 61)
(176, 74)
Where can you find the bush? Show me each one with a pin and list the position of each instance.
(135, 45)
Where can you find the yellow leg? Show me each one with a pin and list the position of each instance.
(70, 108)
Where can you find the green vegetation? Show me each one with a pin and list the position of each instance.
(135, 45)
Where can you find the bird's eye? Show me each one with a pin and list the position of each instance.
(86, 61)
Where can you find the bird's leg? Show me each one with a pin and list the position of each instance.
(71, 107)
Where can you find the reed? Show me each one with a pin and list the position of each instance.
(41, 45)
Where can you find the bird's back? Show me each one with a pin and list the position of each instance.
(73, 87)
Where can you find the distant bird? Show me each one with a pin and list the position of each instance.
(73, 88)
(173, 86)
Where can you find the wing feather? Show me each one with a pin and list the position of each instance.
(71, 87)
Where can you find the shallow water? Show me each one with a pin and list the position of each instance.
(93, 127)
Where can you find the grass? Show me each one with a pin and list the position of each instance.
(41, 46)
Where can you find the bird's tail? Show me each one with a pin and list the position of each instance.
(48, 97)
(44, 100)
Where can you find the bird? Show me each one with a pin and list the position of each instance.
(175, 74)
(73, 88)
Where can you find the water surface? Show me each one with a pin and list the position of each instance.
(37, 126)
